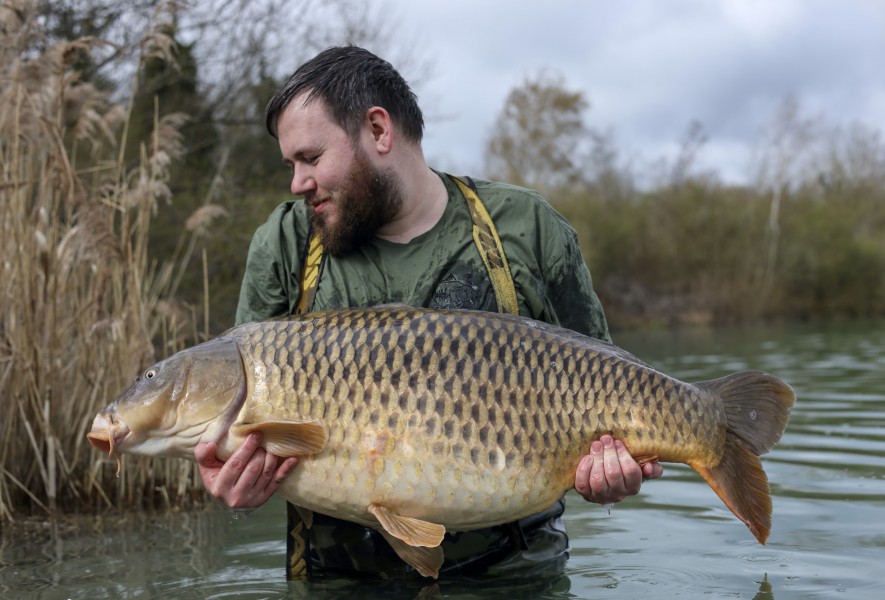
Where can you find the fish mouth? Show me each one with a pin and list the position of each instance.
(106, 434)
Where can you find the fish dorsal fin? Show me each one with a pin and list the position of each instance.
(413, 532)
(287, 438)
(426, 561)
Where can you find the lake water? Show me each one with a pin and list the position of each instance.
(675, 540)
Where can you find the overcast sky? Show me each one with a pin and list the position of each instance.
(649, 68)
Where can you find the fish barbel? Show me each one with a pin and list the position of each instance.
(417, 422)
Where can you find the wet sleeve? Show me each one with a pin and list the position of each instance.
(268, 283)
(568, 283)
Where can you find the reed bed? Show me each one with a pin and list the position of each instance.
(83, 305)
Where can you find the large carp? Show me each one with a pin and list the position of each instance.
(417, 422)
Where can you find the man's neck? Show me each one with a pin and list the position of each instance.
(424, 198)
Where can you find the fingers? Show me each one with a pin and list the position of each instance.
(274, 471)
(623, 470)
(613, 477)
(237, 481)
(204, 453)
(582, 476)
(590, 478)
(248, 478)
(652, 470)
(609, 474)
(283, 471)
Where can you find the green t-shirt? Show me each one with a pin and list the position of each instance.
(440, 269)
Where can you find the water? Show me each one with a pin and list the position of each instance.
(675, 540)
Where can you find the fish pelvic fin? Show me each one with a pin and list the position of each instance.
(757, 408)
(412, 531)
(287, 438)
(427, 561)
(414, 540)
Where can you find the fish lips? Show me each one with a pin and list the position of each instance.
(107, 433)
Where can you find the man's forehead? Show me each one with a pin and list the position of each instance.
(306, 118)
(306, 125)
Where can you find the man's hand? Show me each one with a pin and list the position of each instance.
(248, 478)
(609, 474)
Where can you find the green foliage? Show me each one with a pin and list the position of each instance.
(834, 256)
(698, 252)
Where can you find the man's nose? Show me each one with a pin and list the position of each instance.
(302, 182)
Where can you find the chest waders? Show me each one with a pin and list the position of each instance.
(485, 236)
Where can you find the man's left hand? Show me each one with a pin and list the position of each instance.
(609, 474)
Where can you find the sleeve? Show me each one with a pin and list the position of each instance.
(568, 285)
(270, 282)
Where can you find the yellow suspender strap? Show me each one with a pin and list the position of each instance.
(485, 236)
(310, 273)
(297, 540)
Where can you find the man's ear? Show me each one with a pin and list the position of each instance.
(380, 129)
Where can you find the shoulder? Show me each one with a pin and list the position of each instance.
(288, 218)
(278, 243)
(496, 192)
(285, 228)
(525, 211)
(273, 263)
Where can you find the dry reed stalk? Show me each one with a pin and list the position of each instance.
(81, 300)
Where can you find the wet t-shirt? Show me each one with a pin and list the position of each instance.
(441, 268)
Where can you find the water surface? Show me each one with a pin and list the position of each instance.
(675, 540)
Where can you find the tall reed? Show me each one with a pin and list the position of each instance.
(82, 302)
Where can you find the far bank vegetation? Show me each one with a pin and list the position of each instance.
(134, 168)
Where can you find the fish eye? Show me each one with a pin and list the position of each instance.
(149, 374)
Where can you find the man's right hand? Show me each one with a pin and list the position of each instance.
(248, 478)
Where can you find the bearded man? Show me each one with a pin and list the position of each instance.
(376, 225)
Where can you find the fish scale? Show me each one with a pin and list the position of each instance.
(418, 422)
(541, 378)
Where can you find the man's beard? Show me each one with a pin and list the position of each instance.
(368, 200)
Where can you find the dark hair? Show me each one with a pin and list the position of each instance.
(350, 80)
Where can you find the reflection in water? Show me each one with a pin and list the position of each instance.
(109, 555)
(764, 592)
(675, 540)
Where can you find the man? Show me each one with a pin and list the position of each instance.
(390, 229)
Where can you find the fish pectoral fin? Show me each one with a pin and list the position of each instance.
(426, 561)
(413, 532)
(287, 438)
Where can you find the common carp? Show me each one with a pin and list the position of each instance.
(417, 422)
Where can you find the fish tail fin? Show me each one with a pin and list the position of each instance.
(742, 485)
(757, 407)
